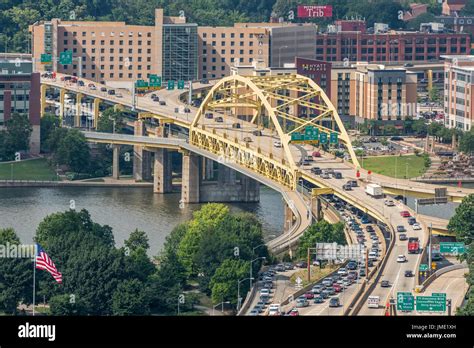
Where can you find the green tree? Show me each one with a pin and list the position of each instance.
(206, 219)
(106, 120)
(16, 276)
(462, 223)
(62, 305)
(137, 239)
(49, 122)
(224, 282)
(433, 94)
(419, 127)
(131, 298)
(390, 129)
(74, 152)
(321, 232)
(466, 144)
(16, 137)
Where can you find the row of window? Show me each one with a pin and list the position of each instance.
(111, 67)
(84, 33)
(223, 43)
(111, 50)
(365, 42)
(111, 42)
(17, 97)
(232, 35)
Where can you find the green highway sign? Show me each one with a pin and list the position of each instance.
(180, 84)
(439, 294)
(452, 248)
(423, 267)
(155, 80)
(323, 138)
(170, 84)
(405, 301)
(141, 84)
(46, 58)
(311, 133)
(431, 303)
(297, 137)
(333, 138)
(65, 57)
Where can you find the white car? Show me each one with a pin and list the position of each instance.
(274, 309)
(342, 271)
(277, 143)
(389, 203)
(416, 226)
(401, 258)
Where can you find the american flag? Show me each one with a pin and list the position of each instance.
(43, 261)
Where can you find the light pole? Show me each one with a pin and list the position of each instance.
(113, 120)
(238, 292)
(258, 246)
(219, 304)
(279, 55)
(251, 263)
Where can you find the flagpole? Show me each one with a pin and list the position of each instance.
(34, 279)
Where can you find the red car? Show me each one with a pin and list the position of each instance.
(294, 313)
(337, 287)
(316, 154)
(309, 295)
(405, 214)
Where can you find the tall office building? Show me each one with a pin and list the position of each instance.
(20, 93)
(459, 92)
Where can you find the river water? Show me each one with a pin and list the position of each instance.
(124, 209)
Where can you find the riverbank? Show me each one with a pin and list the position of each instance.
(107, 182)
(29, 169)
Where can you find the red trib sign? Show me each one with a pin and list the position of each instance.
(312, 11)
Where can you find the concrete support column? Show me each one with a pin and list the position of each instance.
(316, 208)
(250, 189)
(116, 162)
(208, 169)
(141, 157)
(96, 112)
(288, 218)
(77, 119)
(162, 176)
(62, 94)
(43, 99)
(225, 176)
(191, 178)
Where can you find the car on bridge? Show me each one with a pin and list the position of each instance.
(347, 187)
(385, 284)
(401, 258)
(416, 226)
(401, 228)
(334, 302)
(405, 214)
(219, 119)
(411, 220)
(209, 115)
(402, 237)
(277, 144)
(389, 203)
(409, 273)
(316, 154)
(316, 170)
(318, 299)
(317, 289)
(302, 302)
(248, 139)
(309, 295)
(294, 312)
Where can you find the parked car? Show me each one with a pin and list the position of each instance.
(301, 264)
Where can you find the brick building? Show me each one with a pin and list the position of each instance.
(20, 93)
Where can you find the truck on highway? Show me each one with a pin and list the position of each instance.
(374, 190)
(413, 245)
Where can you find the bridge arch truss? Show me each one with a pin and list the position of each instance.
(283, 104)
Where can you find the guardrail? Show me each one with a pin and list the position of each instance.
(248, 300)
(362, 296)
(441, 271)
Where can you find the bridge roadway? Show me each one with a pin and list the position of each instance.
(374, 207)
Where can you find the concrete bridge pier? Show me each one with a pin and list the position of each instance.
(162, 174)
(116, 162)
(141, 157)
(190, 178)
(316, 208)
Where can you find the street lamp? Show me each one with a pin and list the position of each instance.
(258, 246)
(279, 54)
(251, 262)
(112, 119)
(238, 292)
(219, 304)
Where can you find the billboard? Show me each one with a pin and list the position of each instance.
(313, 11)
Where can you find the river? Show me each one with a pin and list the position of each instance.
(124, 209)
